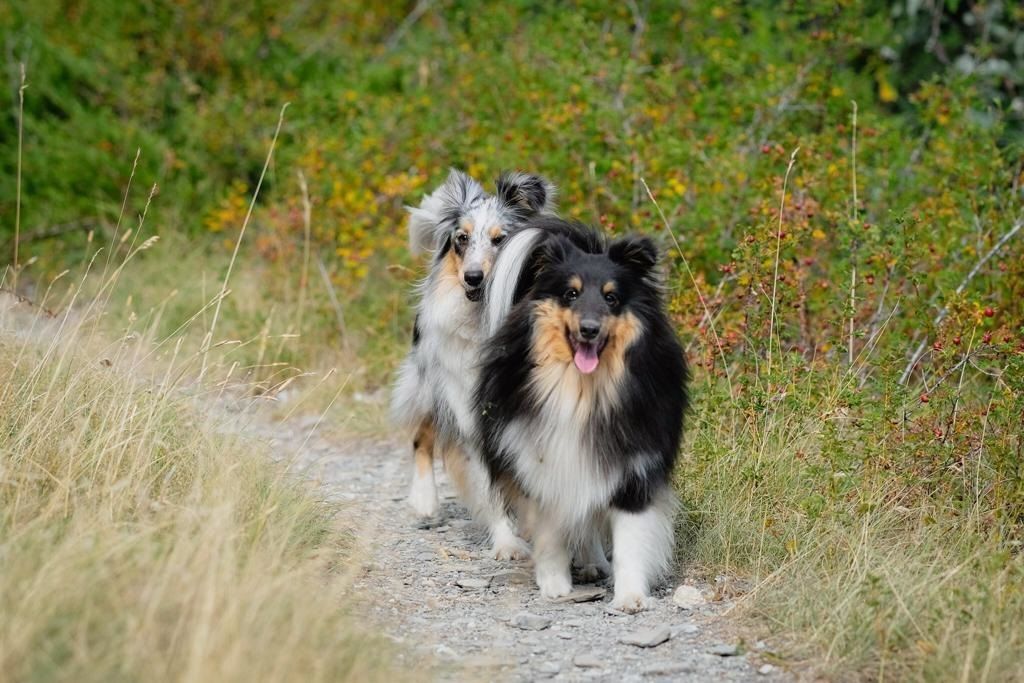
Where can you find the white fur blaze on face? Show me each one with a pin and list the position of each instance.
(641, 552)
(551, 558)
(423, 493)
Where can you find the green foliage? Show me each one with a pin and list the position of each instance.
(816, 438)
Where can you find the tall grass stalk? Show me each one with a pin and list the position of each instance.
(238, 242)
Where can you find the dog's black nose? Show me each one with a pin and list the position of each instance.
(589, 329)
(473, 278)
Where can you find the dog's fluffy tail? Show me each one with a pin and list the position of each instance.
(507, 274)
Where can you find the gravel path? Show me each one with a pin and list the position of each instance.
(433, 589)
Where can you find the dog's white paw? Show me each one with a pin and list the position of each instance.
(423, 498)
(510, 548)
(630, 602)
(554, 584)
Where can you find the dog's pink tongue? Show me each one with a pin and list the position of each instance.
(586, 358)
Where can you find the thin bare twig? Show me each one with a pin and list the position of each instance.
(693, 280)
(307, 217)
(338, 311)
(17, 201)
(959, 290)
(45, 232)
(853, 243)
(778, 248)
(396, 36)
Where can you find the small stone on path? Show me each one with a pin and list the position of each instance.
(651, 637)
(687, 597)
(583, 595)
(588, 660)
(529, 622)
(471, 583)
(724, 650)
(666, 669)
(766, 669)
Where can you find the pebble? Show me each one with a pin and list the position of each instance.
(472, 583)
(588, 660)
(514, 578)
(766, 669)
(666, 669)
(724, 650)
(549, 667)
(583, 595)
(651, 637)
(530, 622)
(687, 629)
(687, 597)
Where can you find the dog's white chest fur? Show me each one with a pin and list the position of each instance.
(555, 465)
(447, 358)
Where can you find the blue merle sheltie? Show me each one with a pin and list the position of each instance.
(582, 390)
(464, 228)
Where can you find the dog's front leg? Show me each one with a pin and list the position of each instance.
(552, 561)
(641, 548)
(423, 492)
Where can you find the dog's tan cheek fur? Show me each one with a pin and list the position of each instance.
(450, 269)
(623, 330)
(549, 327)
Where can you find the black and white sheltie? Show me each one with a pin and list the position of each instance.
(464, 228)
(582, 390)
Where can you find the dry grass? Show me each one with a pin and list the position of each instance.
(859, 578)
(142, 541)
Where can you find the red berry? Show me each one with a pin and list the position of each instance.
(924, 398)
(987, 338)
(989, 312)
(765, 149)
(937, 346)
(956, 340)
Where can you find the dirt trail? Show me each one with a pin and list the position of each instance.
(434, 590)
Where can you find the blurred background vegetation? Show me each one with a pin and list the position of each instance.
(855, 322)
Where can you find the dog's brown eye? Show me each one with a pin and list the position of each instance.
(498, 240)
(461, 239)
(571, 294)
(611, 299)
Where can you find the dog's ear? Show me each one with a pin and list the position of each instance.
(429, 222)
(525, 193)
(553, 251)
(638, 254)
(459, 192)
